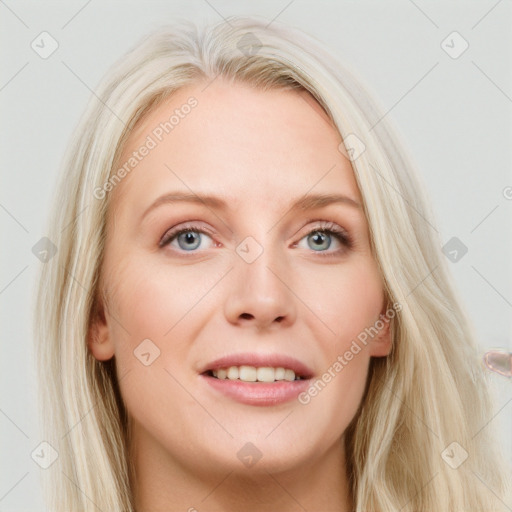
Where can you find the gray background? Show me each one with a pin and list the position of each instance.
(454, 114)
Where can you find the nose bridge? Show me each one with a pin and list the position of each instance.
(256, 262)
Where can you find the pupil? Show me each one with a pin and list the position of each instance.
(321, 240)
(190, 240)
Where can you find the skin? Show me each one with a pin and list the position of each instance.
(260, 151)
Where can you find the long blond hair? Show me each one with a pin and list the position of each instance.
(428, 393)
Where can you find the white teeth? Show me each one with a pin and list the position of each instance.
(265, 374)
(248, 374)
(279, 374)
(253, 374)
(232, 372)
(289, 375)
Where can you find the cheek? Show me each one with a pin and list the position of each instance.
(157, 302)
(152, 326)
(332, 400)
(346, 299)
(350, 302)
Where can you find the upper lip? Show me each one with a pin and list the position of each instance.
(260, 360)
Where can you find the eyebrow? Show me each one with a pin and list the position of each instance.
(307, 202)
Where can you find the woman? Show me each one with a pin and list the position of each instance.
(249, 308)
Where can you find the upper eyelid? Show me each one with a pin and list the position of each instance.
(192, 226)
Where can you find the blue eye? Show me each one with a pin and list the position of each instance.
(321, 240)
(325, 242)
(187, 239)
(328, 239)
(327, 236)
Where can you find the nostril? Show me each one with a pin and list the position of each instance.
(246, 316)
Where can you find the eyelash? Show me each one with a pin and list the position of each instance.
(325, 227)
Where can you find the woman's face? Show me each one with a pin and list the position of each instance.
(254, 285)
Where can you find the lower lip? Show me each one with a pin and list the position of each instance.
(258, 393)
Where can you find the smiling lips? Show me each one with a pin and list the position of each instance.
(257, 379)
(250, 366)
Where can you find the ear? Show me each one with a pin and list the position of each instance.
(381, 343)
(99, 339)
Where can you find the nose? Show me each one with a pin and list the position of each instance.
(260, 296)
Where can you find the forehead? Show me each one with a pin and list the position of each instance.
(233, 140)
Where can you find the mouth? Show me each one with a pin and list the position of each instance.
(257, 379)
(255, 374)
(254, 367)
